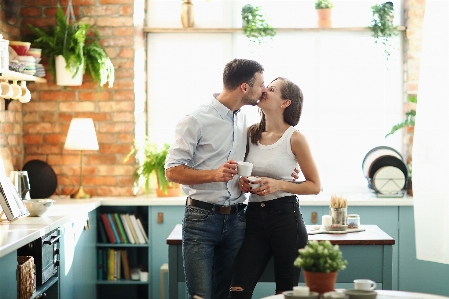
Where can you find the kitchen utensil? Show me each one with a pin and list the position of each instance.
(38, 207)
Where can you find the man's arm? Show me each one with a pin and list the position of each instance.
(186, 175)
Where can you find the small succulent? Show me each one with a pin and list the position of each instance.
(320, 256)
(319, 4)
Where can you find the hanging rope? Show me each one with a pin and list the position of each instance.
(69, 18)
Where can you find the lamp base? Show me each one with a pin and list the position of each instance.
(80, 194)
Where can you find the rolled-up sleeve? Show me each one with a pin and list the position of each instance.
(187, 135)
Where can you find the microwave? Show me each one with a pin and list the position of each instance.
(45, 252)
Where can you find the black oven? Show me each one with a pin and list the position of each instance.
(45, 252)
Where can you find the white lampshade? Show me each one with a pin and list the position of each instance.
(81, 135)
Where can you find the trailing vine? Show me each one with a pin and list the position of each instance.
(255, 25)
(382, 27)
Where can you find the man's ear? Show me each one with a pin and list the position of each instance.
(243, 87)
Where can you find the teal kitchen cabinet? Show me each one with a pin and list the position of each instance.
(417, 275)
(171, 215)
(8, 268)
(77, 273)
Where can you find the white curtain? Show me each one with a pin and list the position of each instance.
(431, 139)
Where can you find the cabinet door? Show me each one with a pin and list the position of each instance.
(8, 266)
(77, 258)
(159, 232)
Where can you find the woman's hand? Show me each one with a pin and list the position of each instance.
(269, 186)
(244, 184)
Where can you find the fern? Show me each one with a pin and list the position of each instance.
(77, 44)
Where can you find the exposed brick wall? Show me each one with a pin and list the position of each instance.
(47, 117)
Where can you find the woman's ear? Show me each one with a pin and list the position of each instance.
(286, 103)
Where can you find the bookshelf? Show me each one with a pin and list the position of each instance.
(112, 280)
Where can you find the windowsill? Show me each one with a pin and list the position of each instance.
(232, 30)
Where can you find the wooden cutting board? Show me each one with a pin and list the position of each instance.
(5, 154)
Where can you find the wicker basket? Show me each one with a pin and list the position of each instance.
(26, 282)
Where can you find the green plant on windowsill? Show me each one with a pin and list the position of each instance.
(77, 44)
(322, 4)
(150, 159)
(409, 120)
(382, 26)
(255, 25)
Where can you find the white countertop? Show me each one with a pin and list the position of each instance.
(22, 231)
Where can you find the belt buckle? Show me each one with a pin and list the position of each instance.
(225, 210)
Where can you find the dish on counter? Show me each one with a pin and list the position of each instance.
(388, 180)
(336, 227)
(387, 161)
(375, 153)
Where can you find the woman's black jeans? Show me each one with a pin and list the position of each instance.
(275, 229)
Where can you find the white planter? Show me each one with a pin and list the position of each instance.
(64, 77)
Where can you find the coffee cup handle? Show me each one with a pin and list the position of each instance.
(373, 285)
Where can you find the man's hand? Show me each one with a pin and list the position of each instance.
(226, 172)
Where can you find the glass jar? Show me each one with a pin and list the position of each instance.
(353, 221)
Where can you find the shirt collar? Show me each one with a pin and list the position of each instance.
(222, 109)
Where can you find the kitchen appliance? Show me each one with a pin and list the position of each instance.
(45, 251)
(21, 182)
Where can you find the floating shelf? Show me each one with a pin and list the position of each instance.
(232, 30)
(11, 75)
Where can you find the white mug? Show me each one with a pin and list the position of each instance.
(244, 168)
(254, 179)
(364, 284)
(5, 90)
(26, 94)
(16, 90)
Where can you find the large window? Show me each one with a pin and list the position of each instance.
(352, 95)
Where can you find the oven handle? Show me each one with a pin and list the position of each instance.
(52, 240)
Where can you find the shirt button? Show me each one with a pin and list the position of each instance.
(262, 205)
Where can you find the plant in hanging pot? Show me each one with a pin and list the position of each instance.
(320, 262)
(382, 26)
(324, 10)
(151, 161)
(255, 26)
(77, 47)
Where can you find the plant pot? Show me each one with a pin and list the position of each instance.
(320, 282)
(173, 190)
(65, 77)
(324, 17)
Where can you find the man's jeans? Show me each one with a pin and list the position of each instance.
(210, 241)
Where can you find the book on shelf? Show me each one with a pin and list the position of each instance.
(125, 264)
(121, 229)
(100, 253)
(127, 229)
(117, 264)
(111, 264)
(102, 231)
(131, 228)
(108, 228)
(105, 263)
(139, 234)
(143, 230)
(10, 200)
(114, 229)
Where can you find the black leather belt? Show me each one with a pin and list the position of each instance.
(215, 208)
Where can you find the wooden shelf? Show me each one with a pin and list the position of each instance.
(232, 30)
(11, 75)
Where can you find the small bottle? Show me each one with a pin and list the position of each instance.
(353, 221)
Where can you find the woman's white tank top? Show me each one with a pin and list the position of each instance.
(276, 161)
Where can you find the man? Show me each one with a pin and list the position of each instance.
(203, 158)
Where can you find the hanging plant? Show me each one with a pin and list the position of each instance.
(382, 26)
(255, 25)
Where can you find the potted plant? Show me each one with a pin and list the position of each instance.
(320, 262)
(382, 27)
(151, 160)
(76, 45)
(324, 10)
(255, 25)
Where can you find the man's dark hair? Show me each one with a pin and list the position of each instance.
(240, 71)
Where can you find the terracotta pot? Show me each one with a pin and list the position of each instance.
(320, 282)
(173, 190)
(324, 17)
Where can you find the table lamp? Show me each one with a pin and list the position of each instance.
(81, 136)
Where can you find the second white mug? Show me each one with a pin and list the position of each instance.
(364, 284)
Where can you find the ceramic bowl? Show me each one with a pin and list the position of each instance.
(361, 294)
(289, 295)
(21, 48)
(38, 207)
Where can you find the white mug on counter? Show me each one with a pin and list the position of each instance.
(364, 284)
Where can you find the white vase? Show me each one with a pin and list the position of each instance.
(65, 77)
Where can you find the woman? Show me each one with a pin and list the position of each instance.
(274, 224)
